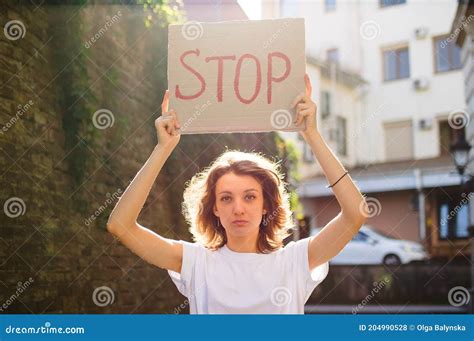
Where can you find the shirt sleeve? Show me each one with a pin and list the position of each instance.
(184, 280)
(307, 280)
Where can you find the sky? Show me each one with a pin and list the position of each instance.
(252, 8)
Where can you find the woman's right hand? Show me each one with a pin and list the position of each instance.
(167, 125)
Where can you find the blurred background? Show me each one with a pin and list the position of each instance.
(81, 86)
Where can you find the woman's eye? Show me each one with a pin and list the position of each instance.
(247, 197)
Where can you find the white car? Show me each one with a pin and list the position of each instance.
(370, 246)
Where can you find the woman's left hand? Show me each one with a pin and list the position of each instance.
(306, 110)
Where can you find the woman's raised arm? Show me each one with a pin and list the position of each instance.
(339, 231)
(162, 252)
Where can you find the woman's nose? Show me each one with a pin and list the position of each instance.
(238, 207)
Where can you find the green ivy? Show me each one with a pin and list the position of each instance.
(162, 12)
(76, 101)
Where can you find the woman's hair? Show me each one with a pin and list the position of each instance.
(200, 198)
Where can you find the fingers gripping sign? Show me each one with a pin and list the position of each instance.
(306, 109)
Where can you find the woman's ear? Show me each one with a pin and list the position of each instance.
(264, 211)
(216, 213)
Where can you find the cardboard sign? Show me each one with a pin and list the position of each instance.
(236, 76)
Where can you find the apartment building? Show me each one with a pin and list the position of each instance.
(386, 79)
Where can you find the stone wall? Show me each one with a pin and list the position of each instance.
(62, 170)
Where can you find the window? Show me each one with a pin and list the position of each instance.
(307, 153)
(396, 64)
(332, 55)
(398, 140)
(360, 237)
(341, 137)
(329, 5)
(447, 136)
(447, 55)
(453, 217)
(388, 3)
(325, 104)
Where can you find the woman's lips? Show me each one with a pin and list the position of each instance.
(240, 222)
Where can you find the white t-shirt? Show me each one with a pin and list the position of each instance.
(229, 282)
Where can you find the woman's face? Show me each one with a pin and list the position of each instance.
(239, 204)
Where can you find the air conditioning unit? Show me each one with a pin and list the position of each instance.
(425, 124)
(421, 32)
(421, 84)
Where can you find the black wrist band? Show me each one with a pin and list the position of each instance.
(329, 186)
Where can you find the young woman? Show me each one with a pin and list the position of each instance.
(239, 214)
